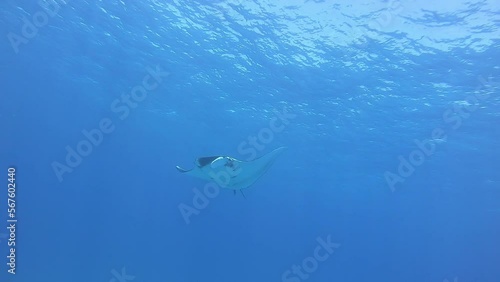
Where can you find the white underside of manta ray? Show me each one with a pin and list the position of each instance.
(231, 173)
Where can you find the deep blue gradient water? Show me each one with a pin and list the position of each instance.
(389, 110)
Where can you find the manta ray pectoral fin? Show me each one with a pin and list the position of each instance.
(195, 172)
(250, 171)
(181, 169)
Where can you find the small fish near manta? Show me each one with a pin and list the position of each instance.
(231, 173)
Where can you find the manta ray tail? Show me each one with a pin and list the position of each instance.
(234, 193)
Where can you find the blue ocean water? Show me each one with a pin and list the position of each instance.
(389, 111)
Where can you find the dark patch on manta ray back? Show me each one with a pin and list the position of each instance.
(205, 160)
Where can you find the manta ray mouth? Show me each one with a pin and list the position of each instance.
(203, 161)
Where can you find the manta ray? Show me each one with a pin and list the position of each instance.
(231, 173)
